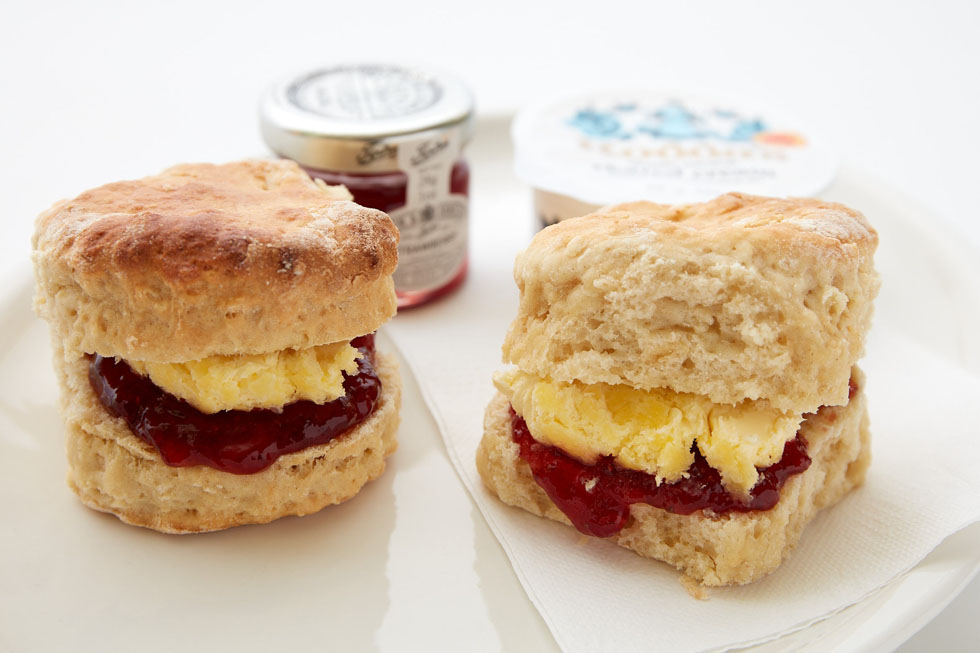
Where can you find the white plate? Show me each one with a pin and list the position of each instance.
(409, 564)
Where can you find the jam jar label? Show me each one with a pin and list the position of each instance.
(433, 222)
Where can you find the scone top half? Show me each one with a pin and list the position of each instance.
(209, 260)
(740, 298)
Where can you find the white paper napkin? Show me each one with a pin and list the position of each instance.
(923, 485)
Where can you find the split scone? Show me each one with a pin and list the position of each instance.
(213, 335)
(684, 378)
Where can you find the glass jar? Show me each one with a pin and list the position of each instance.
(394, 136)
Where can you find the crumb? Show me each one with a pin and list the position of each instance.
(694, 588)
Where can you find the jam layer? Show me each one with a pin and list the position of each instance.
(596, 498)
(238, 442)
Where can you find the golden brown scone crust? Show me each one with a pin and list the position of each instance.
(740, 297)
(205, 259)
(113, 471)
(732, 549)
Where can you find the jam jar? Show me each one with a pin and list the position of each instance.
(394, 136)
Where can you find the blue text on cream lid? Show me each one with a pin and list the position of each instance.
(594, 149)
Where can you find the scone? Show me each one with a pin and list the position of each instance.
(684, 378)
(213, 335)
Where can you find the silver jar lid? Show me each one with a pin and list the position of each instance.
(352, 117)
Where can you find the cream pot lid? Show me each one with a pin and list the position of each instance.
(613, 146)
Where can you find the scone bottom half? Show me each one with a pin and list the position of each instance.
(213, 329)
(642, 409)
(153, 459)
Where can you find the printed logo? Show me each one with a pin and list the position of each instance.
(364, 92)
(675, 121)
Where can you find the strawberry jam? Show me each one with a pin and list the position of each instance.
(235, 441)
(596, 498)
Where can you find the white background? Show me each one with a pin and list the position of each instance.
(93, 92)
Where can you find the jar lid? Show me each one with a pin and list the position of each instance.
(351, 117)
(617, 146)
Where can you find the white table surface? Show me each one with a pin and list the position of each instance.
(99, 91)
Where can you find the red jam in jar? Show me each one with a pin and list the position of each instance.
(596, 498)
(394, 137)
(234, 441)
(388, 192)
